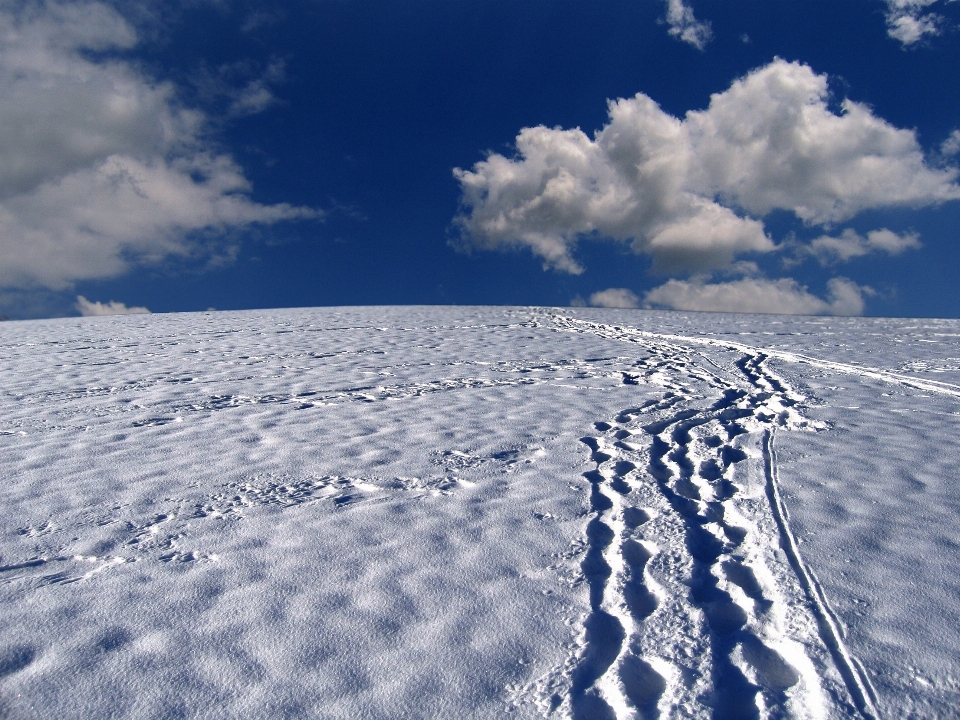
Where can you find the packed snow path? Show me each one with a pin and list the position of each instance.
(473, 512)
(694, 625)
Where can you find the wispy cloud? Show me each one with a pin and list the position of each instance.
(951, 146)
(88, 308)
(241, 88)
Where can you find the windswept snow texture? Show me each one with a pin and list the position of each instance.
(479, 513)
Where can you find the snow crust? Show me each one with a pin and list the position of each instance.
(434, 512)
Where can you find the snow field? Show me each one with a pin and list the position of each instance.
(478, 512)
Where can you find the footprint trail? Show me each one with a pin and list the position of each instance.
(700, 603)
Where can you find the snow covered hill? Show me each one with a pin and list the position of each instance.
(432, 512)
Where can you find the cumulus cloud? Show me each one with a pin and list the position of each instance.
(628, 182)
(909, 21)
(771, 142)
(692, 192)
(850, 244)
(684, 26)
(615, 298)
(88, 308)
(100, 166)
(755, 295)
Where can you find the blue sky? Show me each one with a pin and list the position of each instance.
(699, 154)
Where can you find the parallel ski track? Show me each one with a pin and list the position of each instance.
(854, 675)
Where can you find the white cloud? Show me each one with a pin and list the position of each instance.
(850, 244)
(242, 88)
(909, 21)
(951, 146)
(100, 167)
(254, 98)
(691, 192)
(753, 295)
(628, 182)
(771, 142)
(615, 298)
(95, 222)
(684, 26)
(88, 308)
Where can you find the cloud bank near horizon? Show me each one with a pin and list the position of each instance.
(89, 308)
(101, 167)
(615, 298)
(759, 295)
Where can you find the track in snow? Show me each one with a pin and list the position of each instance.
(693, 613)
(691, 598)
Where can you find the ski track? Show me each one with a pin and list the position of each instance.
(628, 334)
(686, 618)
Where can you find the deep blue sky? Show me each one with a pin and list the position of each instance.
(377, 102)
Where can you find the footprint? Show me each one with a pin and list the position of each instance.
(15, 658)
(113, 639)
(598, 456)
(637, 596)
(643, 685)
(743, 577)
(634, 517)
(156, 421)
(687, 455)
(604, 639)
(773, 672)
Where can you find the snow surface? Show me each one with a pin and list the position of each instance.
(436, 512)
